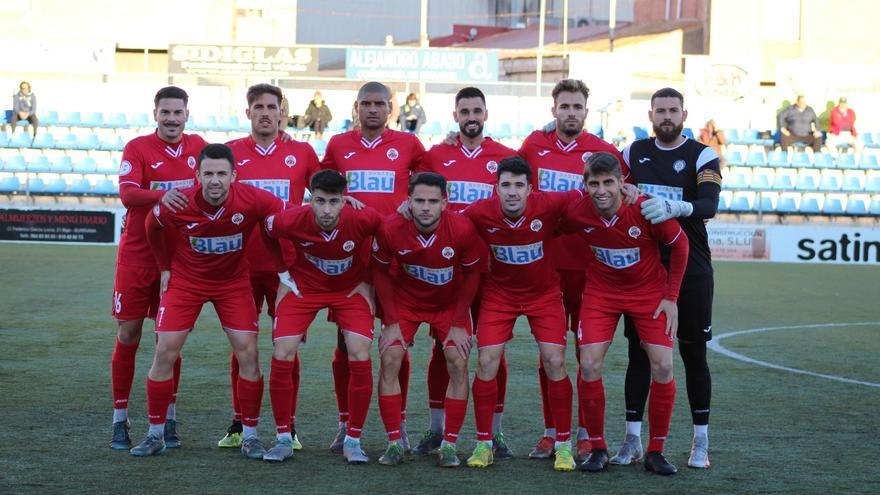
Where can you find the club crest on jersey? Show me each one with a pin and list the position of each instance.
(518, 255)
(678, 166)
(156, 210)
(124, 167)
(392, 154)
(492, 166)
(433, 276)
(269, 222)
(635, 232)
(191, 161)
(237, 218)
(348, 246)
(448, 252)
(536, 225)
(290, 160)
(586, 155)
(617, 258)
(375, 245)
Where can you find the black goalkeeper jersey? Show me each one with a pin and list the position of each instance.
(689, 172)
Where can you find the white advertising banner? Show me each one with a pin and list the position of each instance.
(795, 243)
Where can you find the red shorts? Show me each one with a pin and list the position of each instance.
(265, 287)
(295, 314)
(572, 283)
(439, 323)
(180, 307)
(135, 292)
(600, 314)
(499, 311)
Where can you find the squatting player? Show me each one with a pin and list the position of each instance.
(268, 160)
(208, 265)
(438, 277)
(684, 178)
(376, 163)
(154, 168)
(518, 226)
(329, 272)
(626, 278)
(470, 167)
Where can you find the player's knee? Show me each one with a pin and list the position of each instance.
(591, 370)
(129, 332)
(487, 365)
(457, 367)
(284, 352)
(554, 362)
(661, 370)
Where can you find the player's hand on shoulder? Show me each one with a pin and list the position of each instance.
(451, 138)
(631, 194)
(671, 309)
(404, 210)
(356, 204)
(658, 210)
(175, 200)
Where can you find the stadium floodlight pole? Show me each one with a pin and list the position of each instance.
(612, 22)
(564, 28)
(423, 38)
(539, 58)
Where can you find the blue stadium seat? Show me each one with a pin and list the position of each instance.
(524, 130)
(433, 128)
(737, 180)
(139, 120)
(734, 159)
(740, 204)
(806, 182)
(846, 160)
(56, 186)
(688, 132)
(68, 142)
(49, 118)
(800, 159)
(44, 140)
(640, 132)
(832, 206)
(504, 131)
(15, 163)
(86, 166)
(228, 123)
(829, 183)
(756, 159)
(20, 139)
(88, 142)
(36, 186)
(869, 162)
(4, 139)
(320, 147)
(722, 203)
(9, 185)
(71, 119)
(335, 126)
(786, 205)
(107, 167)
(116, 143)
(766, 204)
(778, 159)
(60, 164)
(856, 206)
(93, 119)
(116, 121)
(39, 164)
(809, 206)
(203, 123)
(749, 136)
(760, 181)
(874, 209)
(872, 185)
(783, 181)
(105, 187)
(823, 160)
(732, 136)
(853, 182)
(874, 140)
(80, 186)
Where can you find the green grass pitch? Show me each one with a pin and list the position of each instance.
(772, 431)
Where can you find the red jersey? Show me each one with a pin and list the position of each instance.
(326, 261)
(470, 174)
(210, 246)
(377, 171)
(557, 166)
(152, 164)
(430, 265)
(625, 259)
(521, 250)
(284, 169)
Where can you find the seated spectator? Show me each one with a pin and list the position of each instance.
(842, 130)
(412, 115)
(24, 107)
(799, 123)
(318, 115)
(713, 137)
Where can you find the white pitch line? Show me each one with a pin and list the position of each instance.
(715, 345)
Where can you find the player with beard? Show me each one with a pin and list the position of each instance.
(469, 165)
(683, 178)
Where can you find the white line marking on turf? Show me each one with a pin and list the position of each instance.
(716, 346)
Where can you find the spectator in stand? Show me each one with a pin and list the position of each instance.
(24, 107)
(842, 130)
(713, 137)
(799, 123)
(412, 115)
(318, 115)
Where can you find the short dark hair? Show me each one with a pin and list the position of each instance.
(667, 93)
(469, 92)
(329, 181)
(217, 151)
(515, 165)
(172, 92)
(571, 86)
(261, 89)
(374, 87)
(428, 179)
(602, 163)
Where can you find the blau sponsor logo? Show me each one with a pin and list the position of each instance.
(617, 258)
(279, 187)
(370, 181)
(519, 255)
(468, 192)
(433, 276)
(168, 185)
(554, 180)
(330, 267)
(216, 245)
(666, 192)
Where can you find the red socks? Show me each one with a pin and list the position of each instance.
(660, 404)
(501, 380)
(485, 397)
(456, 410)
(438, 378)
(158, 398)
(122, 372)
(389, 409)
(592, 402)
(250, 396)
(360, 390)
(560, 394)
(340, 383)
(280, 392)
(233, 381)
(403, 379)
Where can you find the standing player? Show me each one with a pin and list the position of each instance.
(518, 226)
(154, 168)
(557, 158)
(208, 265)
(283, 167)
(330, 273)
(438, 277)
(469, 166)
(376, 163)
(684, 179)
(626, 277)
